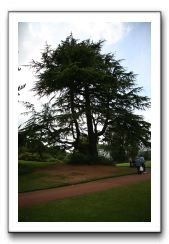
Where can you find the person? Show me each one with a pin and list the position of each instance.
(138, 164)
(142, 162)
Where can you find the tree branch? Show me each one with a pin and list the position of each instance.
(106, 123)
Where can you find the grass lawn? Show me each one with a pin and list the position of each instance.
(29, 166)
(129, 203)
(43, 175)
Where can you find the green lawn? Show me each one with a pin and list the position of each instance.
(129, 203)
(31, 177)
(28, 166)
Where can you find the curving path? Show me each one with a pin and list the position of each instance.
(28, 199)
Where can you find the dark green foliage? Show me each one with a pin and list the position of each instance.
(126, 136)
(31, 149)
(91, 96)
(28, 156)
(20, 87)
(79, 158)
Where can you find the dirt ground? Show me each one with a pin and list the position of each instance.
(43, 196)
(76, 173)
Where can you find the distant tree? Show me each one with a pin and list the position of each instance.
(92, 95)
(146, 153)
(127, 136)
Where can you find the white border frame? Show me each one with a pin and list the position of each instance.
(155, 224)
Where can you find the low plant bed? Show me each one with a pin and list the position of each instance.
(49, 175)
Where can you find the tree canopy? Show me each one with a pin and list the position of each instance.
(92, 97)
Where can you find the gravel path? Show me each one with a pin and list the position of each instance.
(43, 196)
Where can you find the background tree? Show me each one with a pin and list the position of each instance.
(127, 136)
(91, 96)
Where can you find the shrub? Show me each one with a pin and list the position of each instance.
(22, 149)
(55, 160)
(104, 160)
(60, 156)
(29, 156)
(80, 158)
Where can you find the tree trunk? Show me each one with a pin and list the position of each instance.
(77, 139)
(91, 135)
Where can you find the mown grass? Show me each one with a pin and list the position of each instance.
(31, 178)
(25, 167)
(129, 203)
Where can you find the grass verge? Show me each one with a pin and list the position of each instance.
(129, 203)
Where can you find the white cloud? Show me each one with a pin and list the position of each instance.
(33, 41)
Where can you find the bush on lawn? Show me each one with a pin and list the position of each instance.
(80, 158)
(28, 156)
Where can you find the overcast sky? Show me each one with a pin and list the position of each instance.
(129, 41)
